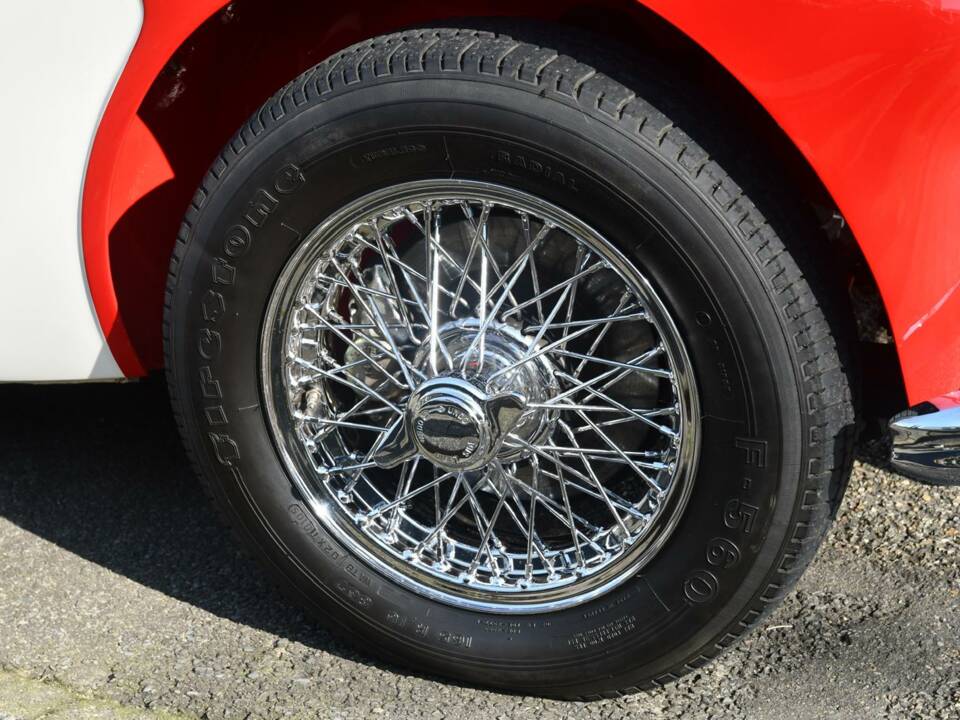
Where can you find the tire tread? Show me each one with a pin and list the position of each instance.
(496, 57)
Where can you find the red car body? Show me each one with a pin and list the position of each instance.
(876, 114)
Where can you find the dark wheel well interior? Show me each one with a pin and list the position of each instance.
(241, 55)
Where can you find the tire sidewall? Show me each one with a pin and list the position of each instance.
(288, 180)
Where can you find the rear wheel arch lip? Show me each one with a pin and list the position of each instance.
(123, 147)
(167, 25)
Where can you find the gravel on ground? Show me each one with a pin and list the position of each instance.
(121, 596)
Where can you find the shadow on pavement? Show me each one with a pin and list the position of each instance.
(99, 470)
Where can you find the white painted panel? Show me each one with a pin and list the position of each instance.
(59, 61)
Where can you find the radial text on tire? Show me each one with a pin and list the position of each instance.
(498, 373)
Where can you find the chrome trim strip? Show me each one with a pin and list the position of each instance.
(926, 447)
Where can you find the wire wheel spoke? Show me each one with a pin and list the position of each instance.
(480, 395)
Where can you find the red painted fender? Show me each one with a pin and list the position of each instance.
(126, 162)
(867, 90)
(870, 94)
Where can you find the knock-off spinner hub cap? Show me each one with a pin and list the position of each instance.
(461, 424)
(456, 426)
(480, 396)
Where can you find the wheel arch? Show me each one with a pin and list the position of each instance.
(199, 69)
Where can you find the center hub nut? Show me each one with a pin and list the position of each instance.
(453, 424)
(450, 425)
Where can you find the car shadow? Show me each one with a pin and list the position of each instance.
(99, 471)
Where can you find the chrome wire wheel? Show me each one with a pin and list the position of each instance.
(480, 396)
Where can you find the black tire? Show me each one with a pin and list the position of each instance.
(776, 412)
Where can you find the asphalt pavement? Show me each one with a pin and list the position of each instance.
(121, 596)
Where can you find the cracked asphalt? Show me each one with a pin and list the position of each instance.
(121, 596)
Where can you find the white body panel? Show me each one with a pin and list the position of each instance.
(59, 62)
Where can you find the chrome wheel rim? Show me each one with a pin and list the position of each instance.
(480, 396)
